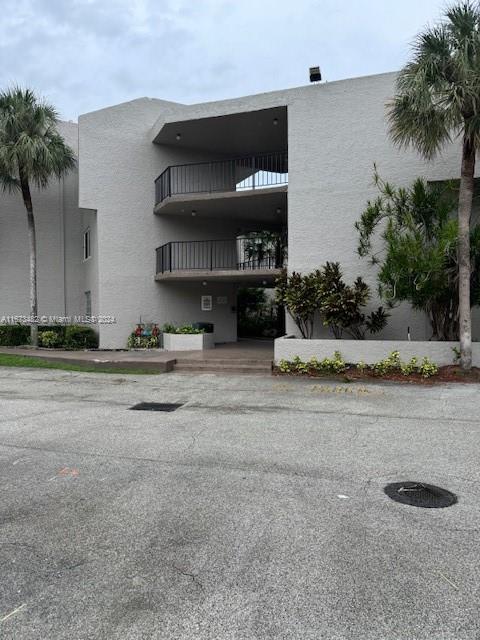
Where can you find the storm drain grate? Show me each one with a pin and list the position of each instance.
(156, 406)
(419, 494)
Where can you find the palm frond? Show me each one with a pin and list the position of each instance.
(30, 144)
(438, 92)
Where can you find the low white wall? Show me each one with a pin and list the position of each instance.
(369, 351)
(187, 341)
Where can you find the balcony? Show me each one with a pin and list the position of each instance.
(242, 259)
(221, 178)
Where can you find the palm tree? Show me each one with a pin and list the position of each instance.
(438, 99)
(32, 152)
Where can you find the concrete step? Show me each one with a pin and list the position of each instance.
(200, 366)
(220, 361)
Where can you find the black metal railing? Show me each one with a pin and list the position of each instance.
(210, 255)
(258, 171)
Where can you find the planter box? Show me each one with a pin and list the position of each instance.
(369, 351)
(187, 341)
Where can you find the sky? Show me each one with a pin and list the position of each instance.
(83, 55)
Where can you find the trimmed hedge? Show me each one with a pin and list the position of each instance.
(67, 337)
(80, 337)
(14, 335)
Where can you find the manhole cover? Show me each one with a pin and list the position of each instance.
(419, 494)
(156, 406)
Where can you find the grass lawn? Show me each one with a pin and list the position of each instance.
(10, 360)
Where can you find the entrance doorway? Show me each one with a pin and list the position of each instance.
(258, 315)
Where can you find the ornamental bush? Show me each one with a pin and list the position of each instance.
(142, 342)
(327, 365)
(391, 364)
(50, 339)
(80, 337)
(14, 335)
(410, 234)
(184, 329)
(341, 307)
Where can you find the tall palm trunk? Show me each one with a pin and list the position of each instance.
(464, 268)
(32, 242)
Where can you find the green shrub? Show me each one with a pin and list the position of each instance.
(142, 342)
(14, 335)
(407, 368)
(427, 369)
(80, 337)
(393, 364)
(188, 329)
(390, 364)
(185, 329)
(361, 366)
(285, 366)
(58, 329)
(49, 339)
(333, 365)
(327, 365)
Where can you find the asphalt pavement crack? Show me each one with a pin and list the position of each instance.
(195, 579)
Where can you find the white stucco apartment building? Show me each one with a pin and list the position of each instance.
(165, 194)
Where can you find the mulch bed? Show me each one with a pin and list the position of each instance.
(450, 373)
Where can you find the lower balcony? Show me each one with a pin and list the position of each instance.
(245, 259)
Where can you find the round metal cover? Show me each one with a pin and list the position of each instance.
(420, 494)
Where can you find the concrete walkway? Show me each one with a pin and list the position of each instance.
(242, 353)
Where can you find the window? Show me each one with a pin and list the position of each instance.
(87, 249)
(88, 303)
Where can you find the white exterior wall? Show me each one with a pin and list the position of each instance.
(369, 351)
(62, 276)
(336, 132)
(119, 164)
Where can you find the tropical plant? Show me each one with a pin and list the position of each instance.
(437, 99)
(264, 247)
(184, 329)
(341, 305)
(336, 364)
(80, 337)
(394, 364)
(416, 251)
(189, 329)
(142, 342)
(50, 339)
(32, 152)
(300, 294)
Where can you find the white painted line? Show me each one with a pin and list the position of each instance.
(12, 613)
(447, 580)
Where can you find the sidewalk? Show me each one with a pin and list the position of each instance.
(155, 360)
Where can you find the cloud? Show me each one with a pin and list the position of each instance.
(86, 54)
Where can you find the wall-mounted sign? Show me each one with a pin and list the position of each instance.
(222, 299)
(207, 303)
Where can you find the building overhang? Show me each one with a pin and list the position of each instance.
(259, 277)
(265, 204)
(225, 132)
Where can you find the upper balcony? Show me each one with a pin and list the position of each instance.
(220, 180)
(256, 259)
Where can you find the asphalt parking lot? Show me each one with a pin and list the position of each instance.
(255, 511)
